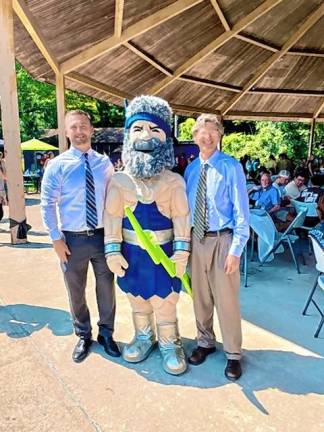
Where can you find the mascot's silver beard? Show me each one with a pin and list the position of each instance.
(145, 165)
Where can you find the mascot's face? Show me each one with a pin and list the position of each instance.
(147, 151)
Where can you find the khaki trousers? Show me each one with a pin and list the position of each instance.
(212, 287)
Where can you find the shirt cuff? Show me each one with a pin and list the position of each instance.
(55, 234)
(236, 250)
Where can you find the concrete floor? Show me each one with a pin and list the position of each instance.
(41, 389)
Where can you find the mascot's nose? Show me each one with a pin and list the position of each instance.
(144, 146)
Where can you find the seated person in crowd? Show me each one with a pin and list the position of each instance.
(318, 232)
(265, 196)
(313, 193)
(297, 185)
(281, 182)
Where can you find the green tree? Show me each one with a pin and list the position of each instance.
(185, 129)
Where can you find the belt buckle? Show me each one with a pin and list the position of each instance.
(90, 233)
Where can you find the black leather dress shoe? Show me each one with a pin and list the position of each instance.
(233, 370)
(81, 350)
(199, 355)
(109, 345)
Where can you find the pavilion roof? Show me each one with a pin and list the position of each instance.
(243, 59)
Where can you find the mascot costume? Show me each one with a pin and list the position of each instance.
(158, 199)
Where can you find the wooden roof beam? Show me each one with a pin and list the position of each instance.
(235, 89)
(216, 43)
(31, 25)
(253, 41)
(286, 92)
(318, 109)
(220, 14)
(131, 46)
(96, 85)
(265, 66)
(268, 116)
(119, 12)
(305, 53)
(208, 83)
(131, 32)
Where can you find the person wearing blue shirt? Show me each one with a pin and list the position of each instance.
(219, 208)
(74, 184)
(266, 196)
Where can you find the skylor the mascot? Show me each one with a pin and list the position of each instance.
(158, 199)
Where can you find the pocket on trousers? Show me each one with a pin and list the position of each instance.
(222, 249)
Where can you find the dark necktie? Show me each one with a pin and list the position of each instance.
(201, 210)
(91, 210)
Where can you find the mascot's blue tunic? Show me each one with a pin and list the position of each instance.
(143, 277)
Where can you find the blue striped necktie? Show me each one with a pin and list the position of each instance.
(91, 210)
(201, 209)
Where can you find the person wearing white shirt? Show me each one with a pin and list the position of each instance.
(74, 186)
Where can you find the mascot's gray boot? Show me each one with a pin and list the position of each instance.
(174, 361)
(144, 339)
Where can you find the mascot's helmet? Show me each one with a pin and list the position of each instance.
(150, 108)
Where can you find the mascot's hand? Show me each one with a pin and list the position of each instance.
(117, 264)
(180, 258)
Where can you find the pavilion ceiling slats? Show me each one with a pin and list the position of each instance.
(135, 10)
(131, 32)
(217, 43)
(199, 54)
(226, 65)
(305, 72)
(34, 30)
(148, 58)
(192, 31)
(122, 69)
(71, 27)
(264, 67)
(280, 103)
(280, 24)
(313, 40)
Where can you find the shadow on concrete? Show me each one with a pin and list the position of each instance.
(275, 298)
(28, 245)
(285, 371)
(21, 320)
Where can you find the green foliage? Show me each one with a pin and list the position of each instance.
(37, 107)
(185, 129)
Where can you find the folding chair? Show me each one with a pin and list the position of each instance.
(288, 237)
(311, 212)
(319, 257)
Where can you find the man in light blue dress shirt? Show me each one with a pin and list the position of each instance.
(217, 248)
(75, 225)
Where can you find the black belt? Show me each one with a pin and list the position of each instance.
(219, 232)
(86, 232)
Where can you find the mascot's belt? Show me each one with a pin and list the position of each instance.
(161, 237)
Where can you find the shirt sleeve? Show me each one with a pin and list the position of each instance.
(50, 196)
(239, 196)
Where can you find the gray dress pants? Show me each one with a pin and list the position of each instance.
(85, 249)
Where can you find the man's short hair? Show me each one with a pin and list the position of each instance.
(284, 173)
(208, 118)
(301, 172)
(78, 112)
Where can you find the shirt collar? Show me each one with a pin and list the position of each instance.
(212, 160)
(76, 152)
